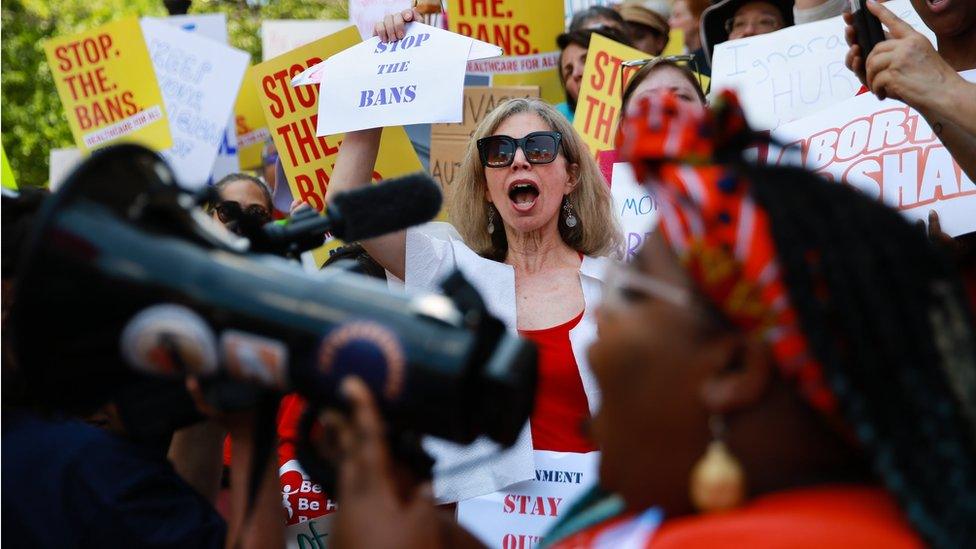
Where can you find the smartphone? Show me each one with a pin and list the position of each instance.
(867, 27)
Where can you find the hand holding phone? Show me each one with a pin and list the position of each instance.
(867, 28)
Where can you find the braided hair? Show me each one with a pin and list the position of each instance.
(885, 314)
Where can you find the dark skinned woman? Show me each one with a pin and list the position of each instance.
(786, 364)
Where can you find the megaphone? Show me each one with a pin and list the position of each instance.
(124, 271)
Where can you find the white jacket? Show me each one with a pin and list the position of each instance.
(433, 251)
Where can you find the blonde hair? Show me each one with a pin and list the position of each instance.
(596, 232)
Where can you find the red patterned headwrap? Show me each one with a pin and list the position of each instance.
(719, 233)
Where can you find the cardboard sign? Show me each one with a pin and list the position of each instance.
(415, 80)
(197, 77)
(887, 150)
(292, 117)
(448, 142)
(521, 514)
(283, 35)
(366, 13)
(526, 32)
(796, 71)
(250, 124)
(108, 87)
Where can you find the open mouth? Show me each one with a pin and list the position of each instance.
(937, 6)
(523, 195)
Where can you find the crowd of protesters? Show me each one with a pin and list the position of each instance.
(786, 362)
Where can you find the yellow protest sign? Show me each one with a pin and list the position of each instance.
(108, 86)
(6, 174)
(526, 32)
(604, 80)
(292, 115)
(252, 128)
(676, 43)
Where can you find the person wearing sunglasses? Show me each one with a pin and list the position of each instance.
(734, 19)
(531, 223)
(783, 365)
(241, 198)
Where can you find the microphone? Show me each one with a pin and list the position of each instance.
(361, 214)
(388, 207)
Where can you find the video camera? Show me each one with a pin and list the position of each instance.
(125, 271)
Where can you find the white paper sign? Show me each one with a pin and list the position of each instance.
(366, 13)
(311, 534)
(635, 208)
(521, 514)
(283, 35)
(214, 27)
(416, 80)
(794, 72)
(62, 161)
(199, 79)
(227, 161)
(887, 150)
(479, 50)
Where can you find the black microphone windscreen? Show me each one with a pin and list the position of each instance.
(390, 206)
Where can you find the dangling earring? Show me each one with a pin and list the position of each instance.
(570, 216)
(491, 219)
(717, 480)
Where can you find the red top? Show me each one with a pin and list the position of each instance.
(560, 403)
(830, 516)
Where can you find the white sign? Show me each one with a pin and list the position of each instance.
(214, 27)
(283, 35)
(311, 534)
(887, 150)
(199, 79)
(227, 161)
(62, 162)
(521, 514)
(794, 72)
(416, 80)
(635, 208)
(366, 13)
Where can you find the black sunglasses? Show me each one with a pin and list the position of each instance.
(498, 151)
(230, 210)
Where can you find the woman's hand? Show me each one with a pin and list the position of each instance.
(393, 26)
(372, 514)
(296, 205)
(904, 67)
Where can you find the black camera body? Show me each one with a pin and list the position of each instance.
(124, 272)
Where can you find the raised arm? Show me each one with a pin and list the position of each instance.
(353, 170)
(357, 157)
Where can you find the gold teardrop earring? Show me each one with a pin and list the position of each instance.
(717, 480)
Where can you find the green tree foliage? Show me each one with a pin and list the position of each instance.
(33, 119)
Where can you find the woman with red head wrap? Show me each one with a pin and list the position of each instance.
(786, 363)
